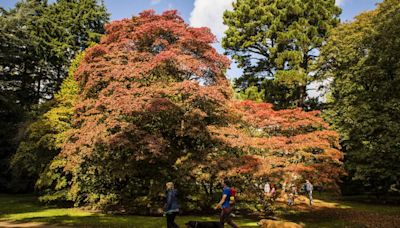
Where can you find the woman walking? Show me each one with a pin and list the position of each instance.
(171, 207)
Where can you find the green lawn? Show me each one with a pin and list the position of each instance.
(331, 212)
(21, 210)
(24, 209)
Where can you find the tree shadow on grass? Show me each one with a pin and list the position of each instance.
(17, 204)
(320, 218)
(335, 216)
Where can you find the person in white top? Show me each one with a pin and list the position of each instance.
(267, 188)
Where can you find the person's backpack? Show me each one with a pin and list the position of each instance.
(232, 198)
(303, 188)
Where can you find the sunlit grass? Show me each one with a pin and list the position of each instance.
(327, 212)
(21, 209)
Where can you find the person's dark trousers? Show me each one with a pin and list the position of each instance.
(225, 217)
(171, 220)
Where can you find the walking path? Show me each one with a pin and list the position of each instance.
(8, 224)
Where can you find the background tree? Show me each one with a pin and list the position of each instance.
(154, 105)
(10, 117)
(37, 44)
(277, 42)
(18, 76)
(251, 93)
(42, 139)
(362, 60)
(81, 23)
(20, 48)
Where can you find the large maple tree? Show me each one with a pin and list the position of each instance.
(155, 106)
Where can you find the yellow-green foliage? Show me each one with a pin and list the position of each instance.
(44, 137)
(250, 93)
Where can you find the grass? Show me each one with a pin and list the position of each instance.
(327, 212)
(335, 212)
(17, 209)
(356, 203)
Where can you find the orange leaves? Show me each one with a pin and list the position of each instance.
(262, 115)
(159, 105)
(154, 91)
(93, 52)
(148, 87)
(279, 143)
(152, 47)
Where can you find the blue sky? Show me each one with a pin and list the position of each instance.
(125, 8)
(203, 12)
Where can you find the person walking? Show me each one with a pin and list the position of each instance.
(226, 207)
(308, 187)
(171, 207)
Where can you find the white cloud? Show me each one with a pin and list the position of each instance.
(155, 2)
(209, 13)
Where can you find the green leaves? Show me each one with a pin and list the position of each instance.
(44, 137)
(273, 39)
(38, 41)
(362, 60)
(251, 93)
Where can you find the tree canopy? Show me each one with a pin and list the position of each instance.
(277, 42)
(362, 60)
(154, 105)
(37, 44)
(43, 138)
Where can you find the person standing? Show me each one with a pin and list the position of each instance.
(309, 189)
(267, 188)
(292, 195)
(226, 207)
(171, 207)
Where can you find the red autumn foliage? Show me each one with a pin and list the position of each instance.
(155, 104)
(288, 145)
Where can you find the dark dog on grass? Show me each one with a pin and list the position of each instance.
(194, 224)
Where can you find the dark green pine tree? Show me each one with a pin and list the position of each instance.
(20, 66)
(83, 21)
(70, 26)
(277, 42)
